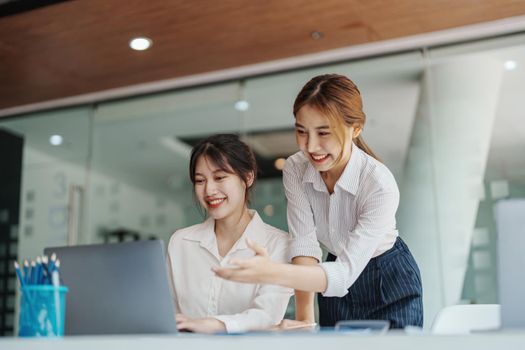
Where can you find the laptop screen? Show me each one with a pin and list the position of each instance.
(116, 288)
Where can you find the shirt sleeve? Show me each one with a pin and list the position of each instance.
(376, 218)
(267, 308)
(169, 266)
(300, 217)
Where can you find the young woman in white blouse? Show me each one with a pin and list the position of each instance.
(341, 196)
(223, 170)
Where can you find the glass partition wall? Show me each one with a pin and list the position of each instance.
(446, 121)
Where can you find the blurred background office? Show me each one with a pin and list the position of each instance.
(95, 136)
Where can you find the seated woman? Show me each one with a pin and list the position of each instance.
(223, 170)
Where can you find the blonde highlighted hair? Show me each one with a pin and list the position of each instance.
(339, 100)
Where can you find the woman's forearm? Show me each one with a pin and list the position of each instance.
(299, 277)
(260, 269)
(304, 301)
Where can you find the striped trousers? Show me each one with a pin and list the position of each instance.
(389, 288)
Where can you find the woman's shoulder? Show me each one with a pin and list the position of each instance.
(275, 232)
(377, 174)
(277, 242)
(297, 162)
(266, 233)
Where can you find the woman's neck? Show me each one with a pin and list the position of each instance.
(228, 230)
(330, 179)
(331, 176)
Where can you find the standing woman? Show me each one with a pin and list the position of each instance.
(341, 196)
(223, 170)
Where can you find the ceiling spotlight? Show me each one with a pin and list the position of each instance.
(316, 35)
(510, 65)
(140, 44)
(279, 163)
(242, 105)
(56, 140)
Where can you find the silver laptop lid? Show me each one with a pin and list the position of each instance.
(116, 288)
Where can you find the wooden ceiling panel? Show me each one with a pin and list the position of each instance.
(81, 46)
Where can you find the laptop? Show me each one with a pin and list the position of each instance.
(118, 288)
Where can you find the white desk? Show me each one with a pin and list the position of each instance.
(497, 341)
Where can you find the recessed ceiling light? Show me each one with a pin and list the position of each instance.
(56, 140)
(316, 35)
(140, 44)
(510, 65)
(242, 105)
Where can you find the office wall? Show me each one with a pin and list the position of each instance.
(106, 201)
(113, 205)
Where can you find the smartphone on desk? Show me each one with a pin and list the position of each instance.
(362, 327)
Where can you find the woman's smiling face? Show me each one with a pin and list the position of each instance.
(316, 139)
(221, 193)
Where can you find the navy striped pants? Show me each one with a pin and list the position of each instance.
(389, 288)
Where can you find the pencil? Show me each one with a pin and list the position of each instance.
(25, 293)
(26, 271)
(55, 280)
(19, 274)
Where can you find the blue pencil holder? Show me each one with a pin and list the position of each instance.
(42, 311)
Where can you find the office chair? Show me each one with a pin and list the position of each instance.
(464, 319)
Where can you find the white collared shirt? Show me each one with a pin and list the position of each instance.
(193, 251)
(355, 223)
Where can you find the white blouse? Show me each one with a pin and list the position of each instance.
(355, 223)
(193, 251)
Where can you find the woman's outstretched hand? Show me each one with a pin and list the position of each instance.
(253, 270)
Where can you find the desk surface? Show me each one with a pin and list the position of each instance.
(316, 341)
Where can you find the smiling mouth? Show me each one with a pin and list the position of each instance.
(319, 158)
(214, 203)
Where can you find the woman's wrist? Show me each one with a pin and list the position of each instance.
(274, 273)
(304, 278)
(282, 274)
(219, 325)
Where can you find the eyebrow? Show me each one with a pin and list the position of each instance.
(297, 125)
(213, 172)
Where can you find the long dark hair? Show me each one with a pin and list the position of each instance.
(229, 154)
